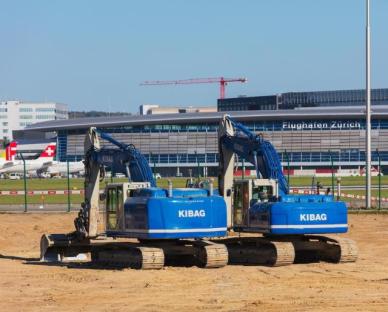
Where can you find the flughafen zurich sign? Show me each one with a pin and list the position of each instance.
(317, 125)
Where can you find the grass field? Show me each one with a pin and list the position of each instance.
(40, 199)
(61, 184)
(346, 181)
(77, 184)
(40, 184)
(384, 193)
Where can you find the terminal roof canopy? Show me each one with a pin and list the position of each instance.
(214, 117)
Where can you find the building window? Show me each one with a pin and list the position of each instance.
(5, 124)
(23, 124)
(45, 116)
(3, 109)
(25, 109)
(5, 130)
(25, 117)
(45, 109)
(61, 112)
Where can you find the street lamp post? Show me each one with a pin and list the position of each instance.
(368, 112)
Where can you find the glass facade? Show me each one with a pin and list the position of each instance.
(248, 103)
(302, 142)
(292, 100)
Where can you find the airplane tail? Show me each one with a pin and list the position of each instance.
(49, 152)
(10, 151)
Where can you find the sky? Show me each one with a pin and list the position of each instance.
(93, 54)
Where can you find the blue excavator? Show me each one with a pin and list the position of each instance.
(144, 226)
(293, 225)
(141, 225)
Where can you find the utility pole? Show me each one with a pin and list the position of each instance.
(368, 112)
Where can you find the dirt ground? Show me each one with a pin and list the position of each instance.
(361, 286)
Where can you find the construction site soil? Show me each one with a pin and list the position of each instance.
(26, 285)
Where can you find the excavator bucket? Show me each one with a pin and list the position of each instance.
(63, 248)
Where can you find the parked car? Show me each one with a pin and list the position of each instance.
(14, 176)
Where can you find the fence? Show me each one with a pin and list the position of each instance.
(66, 194)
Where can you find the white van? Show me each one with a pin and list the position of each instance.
(14, 176)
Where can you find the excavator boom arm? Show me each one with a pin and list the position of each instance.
(123, 159)
(234, 138)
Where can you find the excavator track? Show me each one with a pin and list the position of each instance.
(144, 258)
(285, 253)
(260, 251)
(315, 248)
(349, 250)
(339, 250)
(151, 258)
(212, 256)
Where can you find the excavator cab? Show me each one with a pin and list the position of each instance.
(241, 202)
(114, 206)
(115, 196)
(249, 192)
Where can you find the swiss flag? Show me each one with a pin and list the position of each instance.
(49, 151)
(10, 150)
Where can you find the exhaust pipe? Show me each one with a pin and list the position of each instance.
(169, 188)
(211, 187)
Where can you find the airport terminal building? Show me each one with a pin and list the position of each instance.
(305, 137)
(293, 100)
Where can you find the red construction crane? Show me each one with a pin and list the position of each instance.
(221, 80)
